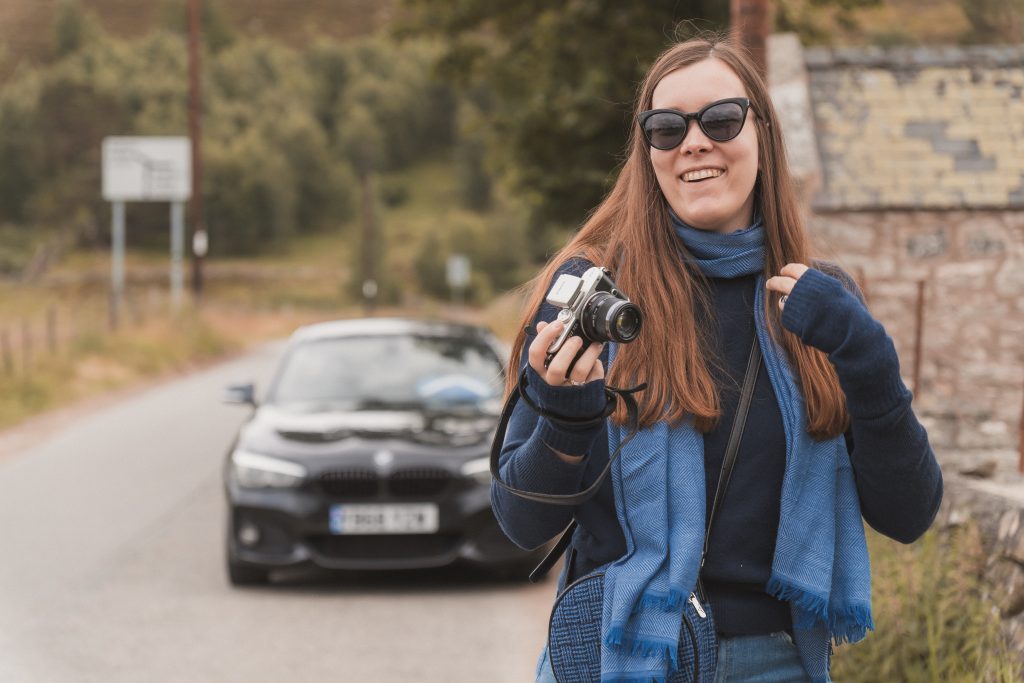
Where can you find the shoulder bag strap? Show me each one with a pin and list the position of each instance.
(735, 437)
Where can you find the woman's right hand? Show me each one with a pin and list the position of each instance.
(587, 369)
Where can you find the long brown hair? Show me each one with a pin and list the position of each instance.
(631, 232)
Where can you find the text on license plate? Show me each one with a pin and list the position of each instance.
(405, 518)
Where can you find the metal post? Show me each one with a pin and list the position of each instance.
(918, 336)
(117, 264)
(196, 134)
(369, 244)
(177, 252)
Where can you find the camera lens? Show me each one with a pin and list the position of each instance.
(606, 317)
(627, 322)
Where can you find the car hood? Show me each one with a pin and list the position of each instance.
(273, 430)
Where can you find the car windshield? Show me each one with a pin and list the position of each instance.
(387, 373)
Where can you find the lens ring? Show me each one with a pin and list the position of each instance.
(606, 317)
(627, 323)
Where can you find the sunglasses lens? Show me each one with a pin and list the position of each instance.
(664, 130)
(723, 121)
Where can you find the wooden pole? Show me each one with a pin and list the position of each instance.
(195, 131)
(918, 336)
(751, 24)
(51, 329)
(862, 282)
(26, 346)
(1020, 441)
(8, 354)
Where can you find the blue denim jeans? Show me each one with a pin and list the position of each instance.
(744, 659)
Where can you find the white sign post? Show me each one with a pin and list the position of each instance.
(146, 169)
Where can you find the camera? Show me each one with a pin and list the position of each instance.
(592, 308)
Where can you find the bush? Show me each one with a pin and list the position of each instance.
(496, 248)
(933, 618)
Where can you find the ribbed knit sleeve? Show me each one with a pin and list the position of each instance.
(898, 478)
(527, 459)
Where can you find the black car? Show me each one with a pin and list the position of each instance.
(370, 451)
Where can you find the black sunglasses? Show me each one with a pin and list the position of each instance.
(721, 121)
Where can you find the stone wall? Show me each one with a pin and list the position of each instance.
(854, 122)
(971, 391)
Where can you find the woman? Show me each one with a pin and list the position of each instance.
(702, 230)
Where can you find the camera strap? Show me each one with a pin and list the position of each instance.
(570, 499)
(612, 394)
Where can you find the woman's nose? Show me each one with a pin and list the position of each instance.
(695, 141)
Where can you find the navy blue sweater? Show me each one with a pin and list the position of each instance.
(898, 479)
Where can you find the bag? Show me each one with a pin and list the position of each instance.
(574, 636)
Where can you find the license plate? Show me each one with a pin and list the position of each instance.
(406, 518)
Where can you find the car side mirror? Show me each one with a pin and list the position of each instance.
(241, 394)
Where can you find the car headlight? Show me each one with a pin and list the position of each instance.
(479, 469)
(255, 471)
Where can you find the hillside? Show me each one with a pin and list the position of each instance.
(26, 26)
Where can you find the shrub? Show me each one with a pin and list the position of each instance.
(933, 618)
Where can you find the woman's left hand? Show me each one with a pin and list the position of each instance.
(784, 282)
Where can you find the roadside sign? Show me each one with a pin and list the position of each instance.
(458, 271)
(147, 169)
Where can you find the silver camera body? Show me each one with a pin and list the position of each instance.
(592, 307)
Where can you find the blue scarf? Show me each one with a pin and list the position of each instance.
(821, 562)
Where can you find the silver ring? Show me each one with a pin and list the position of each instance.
(783, 299)
(575, 383)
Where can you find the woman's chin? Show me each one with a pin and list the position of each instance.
(704, 221)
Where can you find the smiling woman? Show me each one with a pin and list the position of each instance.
(706, 555)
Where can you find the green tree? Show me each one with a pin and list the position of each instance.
(561, 78)
(73, 27)
(994, 21)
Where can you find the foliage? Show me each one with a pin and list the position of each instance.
(560, 98)
(933, 619)
(284, 131)
(994, 21)
(496, 248)
(73, 27)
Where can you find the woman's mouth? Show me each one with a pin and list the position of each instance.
(701, 174)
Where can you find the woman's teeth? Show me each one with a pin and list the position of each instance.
(702, 174)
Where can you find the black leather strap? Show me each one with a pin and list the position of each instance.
(571, 499)
(735, 437)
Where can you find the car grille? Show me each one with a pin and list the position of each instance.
(417, 482)
(390, 547)
(350, 483)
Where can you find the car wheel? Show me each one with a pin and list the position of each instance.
(247, 575)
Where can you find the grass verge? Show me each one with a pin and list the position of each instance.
(934, 619)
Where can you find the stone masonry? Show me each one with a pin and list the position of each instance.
(911, 166)
(915, 173)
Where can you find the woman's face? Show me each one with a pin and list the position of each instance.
(723, 202)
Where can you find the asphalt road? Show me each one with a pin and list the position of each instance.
(111, 567)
